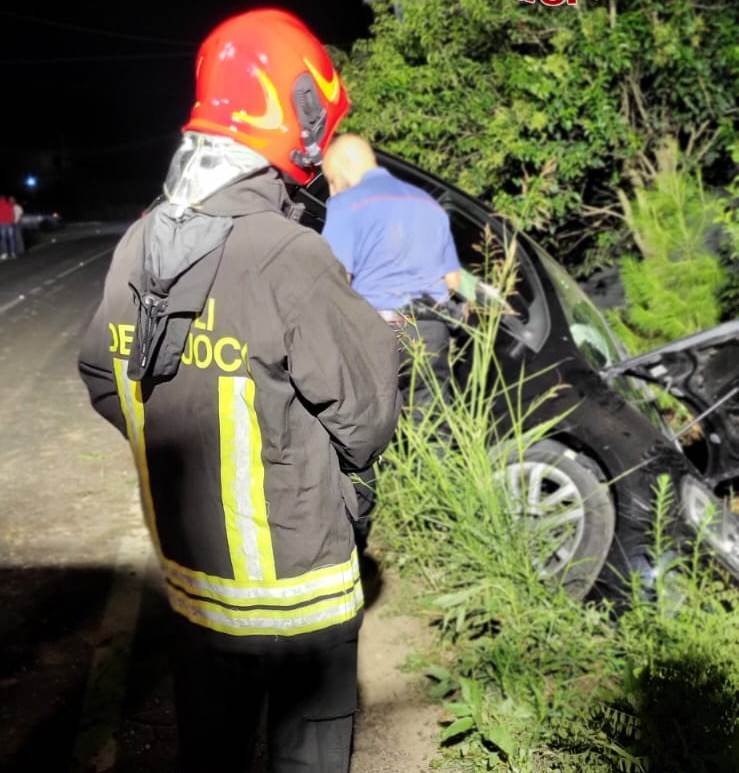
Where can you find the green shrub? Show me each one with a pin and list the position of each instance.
(674, 288)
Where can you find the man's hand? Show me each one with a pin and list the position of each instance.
(453, 280)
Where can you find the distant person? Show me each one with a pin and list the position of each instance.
(396, 245)
(20, 246)
(7, 229)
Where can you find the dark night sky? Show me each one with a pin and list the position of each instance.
(96, 116)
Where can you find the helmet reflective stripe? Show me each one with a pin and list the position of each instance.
(329, 88)
(272, 116)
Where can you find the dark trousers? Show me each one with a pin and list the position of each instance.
(309, 699)
(436, 337)
(7, 239)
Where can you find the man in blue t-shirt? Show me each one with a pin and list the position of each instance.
(397, 248)
(392, 237)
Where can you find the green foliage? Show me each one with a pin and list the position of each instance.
(547, 111)
(531, 679)
(682, 669)
(674, 289)
(728, 222)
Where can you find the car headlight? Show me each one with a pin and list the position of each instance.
(712, 519)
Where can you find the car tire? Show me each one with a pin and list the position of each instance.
(632, 550)
(568, 487)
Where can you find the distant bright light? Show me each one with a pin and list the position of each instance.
(31, 181)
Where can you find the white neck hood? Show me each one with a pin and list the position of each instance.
(203, 164)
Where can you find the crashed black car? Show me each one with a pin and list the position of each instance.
(612, 433)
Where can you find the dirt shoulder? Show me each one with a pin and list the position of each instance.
(397, 726)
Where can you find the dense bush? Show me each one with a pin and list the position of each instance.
(545, 111)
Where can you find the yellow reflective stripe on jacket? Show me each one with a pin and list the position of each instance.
(268, 622)
(327, 581)
(242, 481)
(132, 406)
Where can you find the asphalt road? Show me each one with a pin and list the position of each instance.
(84, 679)
(74, 583)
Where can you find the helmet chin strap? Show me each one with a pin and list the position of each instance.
(312, 117)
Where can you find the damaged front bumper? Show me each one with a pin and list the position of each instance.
(712, 520)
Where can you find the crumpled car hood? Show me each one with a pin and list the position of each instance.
(703, 371)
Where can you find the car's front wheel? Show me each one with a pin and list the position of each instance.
(562, 501)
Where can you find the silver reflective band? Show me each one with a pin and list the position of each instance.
(242, 462)
(335, 581)
(285, 622)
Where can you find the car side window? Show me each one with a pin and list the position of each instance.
(469, 239)
(477, 250)
(530, 324)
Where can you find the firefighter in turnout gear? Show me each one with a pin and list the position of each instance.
(250, 380)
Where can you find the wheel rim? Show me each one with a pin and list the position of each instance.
(549, 503)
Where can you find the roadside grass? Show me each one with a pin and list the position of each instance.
(532, 679)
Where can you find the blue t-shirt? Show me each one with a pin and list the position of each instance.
(393, 238)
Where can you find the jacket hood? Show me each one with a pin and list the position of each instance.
(174, 241)
(181, 251)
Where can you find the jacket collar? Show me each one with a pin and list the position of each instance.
(261, 192)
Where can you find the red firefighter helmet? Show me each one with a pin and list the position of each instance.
(264, 79)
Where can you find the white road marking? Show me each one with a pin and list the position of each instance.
(36, 290)
(11, 304)
(84, 263)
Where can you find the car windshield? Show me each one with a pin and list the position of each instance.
(590, 331)
(595, 339)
